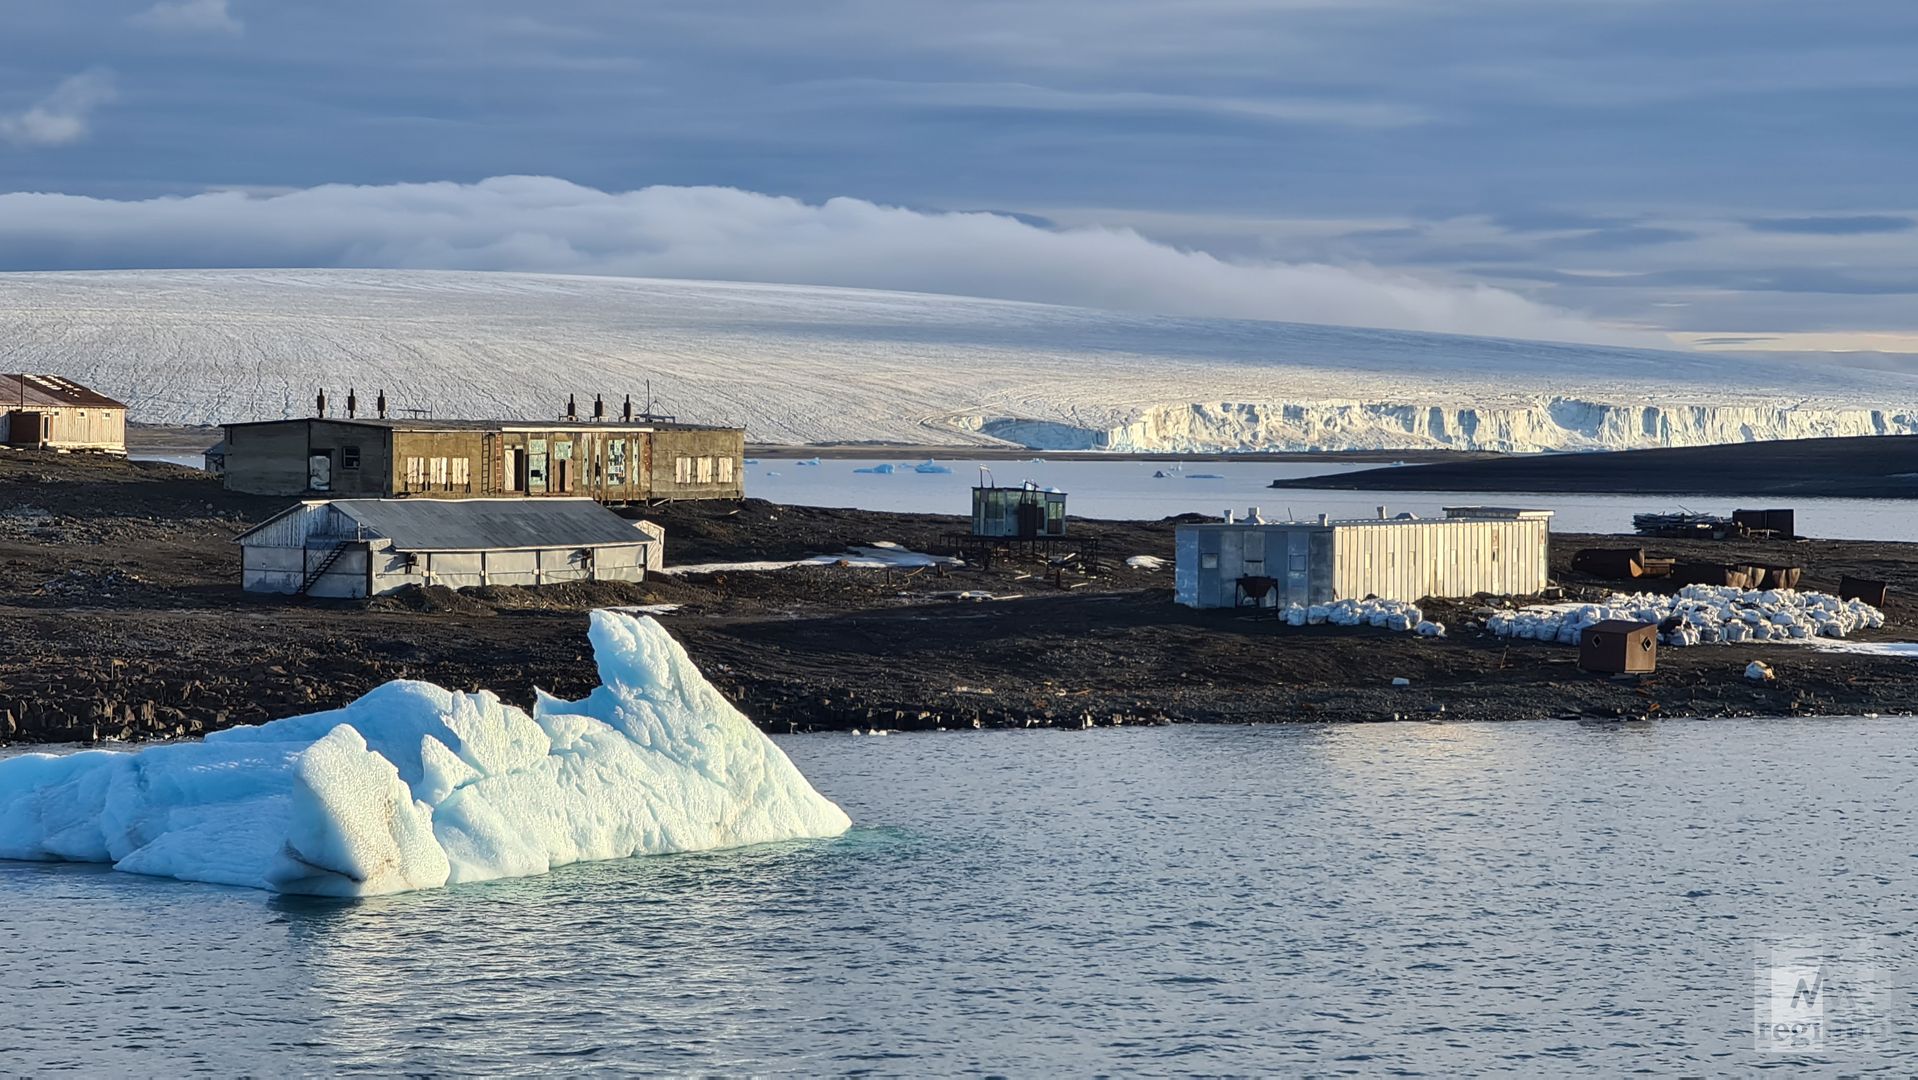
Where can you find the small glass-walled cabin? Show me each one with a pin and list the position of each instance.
(1028, 512)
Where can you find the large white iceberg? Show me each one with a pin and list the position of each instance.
(414, 786)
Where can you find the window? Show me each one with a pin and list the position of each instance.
(440, 473)
(462, 476)
(682, 470)
(536, 465)
(726, 473)
(349, 457)
(1208, 562)
(415, 473)
(616, 462)
(705, 470)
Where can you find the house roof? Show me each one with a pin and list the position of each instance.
(54, 390)
(480, 524)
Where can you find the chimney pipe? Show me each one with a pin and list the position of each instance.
(572, 411)
(319, 403)
(1325, 519)
(628, 414)
(1381, 513)
(599, 408)
(352, 402)
(381, 404)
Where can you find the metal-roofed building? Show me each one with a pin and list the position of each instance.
(613, 461)
(364, 547)
(1473, 549)
(50, 412)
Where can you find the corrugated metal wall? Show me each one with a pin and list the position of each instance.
(1414, 559)
(1397, 560)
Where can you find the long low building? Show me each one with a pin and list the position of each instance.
(50, 412)
(365, 547)
(1472, 550)
(612, 461)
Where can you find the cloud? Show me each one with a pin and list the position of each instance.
(60, 117)
(191, 15)
(1851, 225)
(533, 223)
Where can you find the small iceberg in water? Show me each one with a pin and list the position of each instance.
(809, 461)
(414, 786)
(877, 470)
(931, 467)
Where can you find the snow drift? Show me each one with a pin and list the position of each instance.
(809, 364)
(414, 786)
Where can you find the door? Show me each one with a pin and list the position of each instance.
(319, 471)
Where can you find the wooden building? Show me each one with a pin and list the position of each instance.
(365, 547)
(1471, 550)
(612, 461)
(1618, 647)
(48, 412)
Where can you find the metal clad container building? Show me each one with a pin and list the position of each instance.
(364, 547)
(1472, 550)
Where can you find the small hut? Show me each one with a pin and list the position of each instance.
(1026, 512)
(1618, 647)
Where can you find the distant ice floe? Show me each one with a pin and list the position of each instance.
(1699, 615)
(931, 468)
(877, 470)
(414, 786)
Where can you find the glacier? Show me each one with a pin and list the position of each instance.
(414, 786)
(816, 364)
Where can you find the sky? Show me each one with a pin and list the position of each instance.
(1716, 173)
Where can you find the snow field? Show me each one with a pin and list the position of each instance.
(808, 364)
(414, 786)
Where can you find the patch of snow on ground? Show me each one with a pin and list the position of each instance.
(414, 786)
(881, 555)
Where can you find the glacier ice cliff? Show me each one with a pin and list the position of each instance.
(414, 786)
(1545, 425)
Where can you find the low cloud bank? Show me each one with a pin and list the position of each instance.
(543, 224)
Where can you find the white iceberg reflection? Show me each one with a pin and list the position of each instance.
(414, 786)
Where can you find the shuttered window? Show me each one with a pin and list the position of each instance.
(705, 470)
(726, 474)
(415, 473)
(462, 472)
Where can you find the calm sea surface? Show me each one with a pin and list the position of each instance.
(1428, 899)
(1129, 490)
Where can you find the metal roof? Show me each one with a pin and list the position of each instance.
(481, 524)
(50, 390)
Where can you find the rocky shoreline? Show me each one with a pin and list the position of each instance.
(118, 585)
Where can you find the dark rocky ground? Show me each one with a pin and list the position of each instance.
(120, 615)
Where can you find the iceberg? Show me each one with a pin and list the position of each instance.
(414, 786)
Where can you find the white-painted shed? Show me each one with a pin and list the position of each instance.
(1473, 549)
(365, 547)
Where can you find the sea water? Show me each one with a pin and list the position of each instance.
(1439, 899)
(1130, 490)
